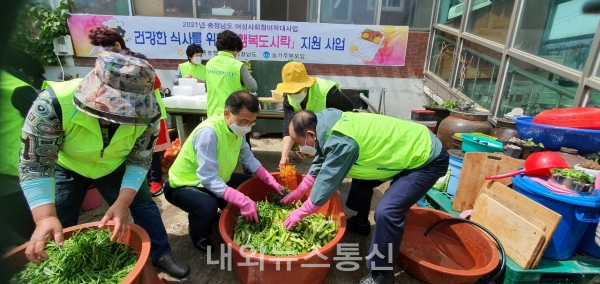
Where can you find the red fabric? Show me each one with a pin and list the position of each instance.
(157, 84)
(164, 141)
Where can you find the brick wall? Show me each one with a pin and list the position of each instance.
(415, 61)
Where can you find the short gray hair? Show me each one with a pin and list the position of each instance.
(303, 121)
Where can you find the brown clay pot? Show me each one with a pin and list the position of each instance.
(505, 129)
(452, 253)
(137, 238)
(462, 122)
(256, 190)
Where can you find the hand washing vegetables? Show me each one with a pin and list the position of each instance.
(311, 233)
(86, 257)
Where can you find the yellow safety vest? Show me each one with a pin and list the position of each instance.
(183, 171)
(197, 71)
(317, 96)
(222, 79)
(82, 150)
(388, 145)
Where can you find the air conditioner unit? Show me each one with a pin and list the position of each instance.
(63, 46)
(457, 10)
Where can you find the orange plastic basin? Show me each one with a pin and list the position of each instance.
(451, 253)
(275, 268)
(137, 238)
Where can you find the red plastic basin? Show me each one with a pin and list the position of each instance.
(452, 253)
(270, 273)
(137, 238)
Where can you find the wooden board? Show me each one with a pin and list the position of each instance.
(522, 240)
(269, 100)
(477, 166)
(524, 206)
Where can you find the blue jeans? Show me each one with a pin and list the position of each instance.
(200, 204)
(405, 190)
(71, 188)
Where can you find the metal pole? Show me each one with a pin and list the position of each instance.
(366, 101)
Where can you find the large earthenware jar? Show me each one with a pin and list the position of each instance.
(505, 129)
(462, 122)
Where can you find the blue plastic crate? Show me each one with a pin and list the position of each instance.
(553, 137)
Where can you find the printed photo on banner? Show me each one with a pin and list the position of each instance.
(167, 38)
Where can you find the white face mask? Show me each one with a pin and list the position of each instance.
(197, 60)
(309, 150)
(240, 130)
(298, 98)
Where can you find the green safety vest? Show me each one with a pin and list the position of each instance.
(197, 71)
(82, 149)
(388, 145)
(222, 79)
(11, 124)
(161, 104)
(317, 96)
(183, 171)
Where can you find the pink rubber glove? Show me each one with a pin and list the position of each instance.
(246, 205)
(597, 185)
(305, 185)
(267, 178)
(295, 216)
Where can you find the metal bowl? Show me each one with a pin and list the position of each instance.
(574, 185)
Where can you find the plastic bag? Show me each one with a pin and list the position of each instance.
(170, 155)
(441, 184)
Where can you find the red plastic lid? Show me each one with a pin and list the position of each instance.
(420, 111)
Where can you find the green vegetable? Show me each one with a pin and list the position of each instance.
(314, 231)
(86, 257)
(447, 104)
(529, 142)
(574, 174)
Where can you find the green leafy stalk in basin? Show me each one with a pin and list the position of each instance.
(312, 232)
(86, 257)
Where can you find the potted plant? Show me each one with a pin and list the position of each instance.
(527, 146)
(512, 151)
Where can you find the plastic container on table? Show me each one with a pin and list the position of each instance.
(422, 115)
(573, 117)
(274, 268)
(588, 242)
(578, 211)
(553, 137)
(456, 162)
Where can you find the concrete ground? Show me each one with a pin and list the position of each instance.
(267, 150)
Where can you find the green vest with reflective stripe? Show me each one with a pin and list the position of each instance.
(10, 125)
(317, 96)
(222, 79)
(387, 145)
(183, 171)
(197, 71)
(82, 149)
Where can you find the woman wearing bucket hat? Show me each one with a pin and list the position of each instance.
(99, 129)
(302, 92)
(109, 39)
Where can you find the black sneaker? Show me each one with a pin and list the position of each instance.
(376, 277)
(173, 268)
(353, 226)
(201, 244)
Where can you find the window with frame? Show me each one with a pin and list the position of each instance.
(387, 5)
(346, 12)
